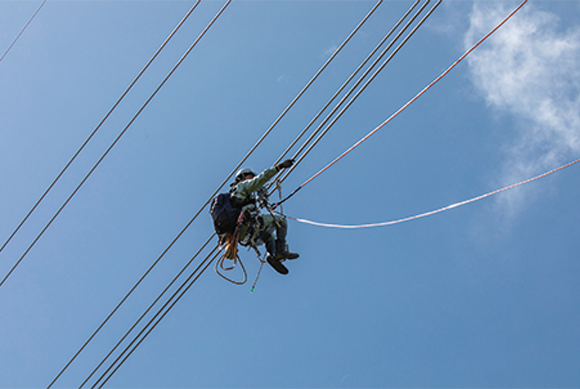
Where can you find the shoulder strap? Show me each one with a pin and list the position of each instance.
(249, 200)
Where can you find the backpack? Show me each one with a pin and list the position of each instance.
(224, 214)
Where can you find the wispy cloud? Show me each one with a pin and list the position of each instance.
(330, 50)
(530, 69)
(283, 79)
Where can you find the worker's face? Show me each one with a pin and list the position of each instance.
(248, 177)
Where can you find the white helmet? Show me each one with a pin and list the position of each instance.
(242, 173)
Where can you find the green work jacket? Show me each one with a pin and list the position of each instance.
(245, 189)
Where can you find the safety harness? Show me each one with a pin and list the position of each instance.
(255, 236)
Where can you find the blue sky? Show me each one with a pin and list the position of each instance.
(484, 295)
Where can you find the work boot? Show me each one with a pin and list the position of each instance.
(277, 265)
(286, 255)
(282, 251)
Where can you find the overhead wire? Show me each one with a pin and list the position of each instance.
(407, 104)
(282, 115)
(148, 310)
(248, 154)
(179, 62)
(366, 84)
(22, 32)
(134, 344)
(154, 321)
(439, 210)
(292, 104)
(343, 86)
(173, 242)
(92, 134)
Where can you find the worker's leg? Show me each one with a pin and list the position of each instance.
(270, 243)
(281, 232)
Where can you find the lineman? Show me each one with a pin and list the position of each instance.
(260, 228)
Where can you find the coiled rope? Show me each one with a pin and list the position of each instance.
(230, 252)
(447, 208)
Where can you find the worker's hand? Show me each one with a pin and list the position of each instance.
(286, 164)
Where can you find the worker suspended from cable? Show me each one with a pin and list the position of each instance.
(237, 217)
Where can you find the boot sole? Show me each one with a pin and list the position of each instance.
(278, 266)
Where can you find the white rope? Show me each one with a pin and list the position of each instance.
(447, 208)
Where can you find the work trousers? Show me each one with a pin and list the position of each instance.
(275, 244)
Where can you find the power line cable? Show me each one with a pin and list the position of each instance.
(100, 124)
(353, 88)
(135, 339)
(151, 325)
(126, 351)
(366, 84)
(167, 249)
(344, 85)
(22, 32)
(408, 103)
(188, 283)
(148, 271)
(115, 141)
(148, 309)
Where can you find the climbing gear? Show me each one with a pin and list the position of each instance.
(249, 225)
(262, 262)
(280, 249)
(230, 248)
(250, 229)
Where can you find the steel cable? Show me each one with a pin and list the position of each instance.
(167, 249)
(22, 32)
(148, 271)
(152, 324)
(99, 125)
(122, 357)
(126, 350)
(409, 102)
(148, 309)
(158, 316)
(366, 84)
(344, 85)
(353, 88)
(115, 141)
(133, 345)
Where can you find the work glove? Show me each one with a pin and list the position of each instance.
(286, 164)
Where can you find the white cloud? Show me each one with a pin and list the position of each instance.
(530, 69)
(283, 79)
(328, 52)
